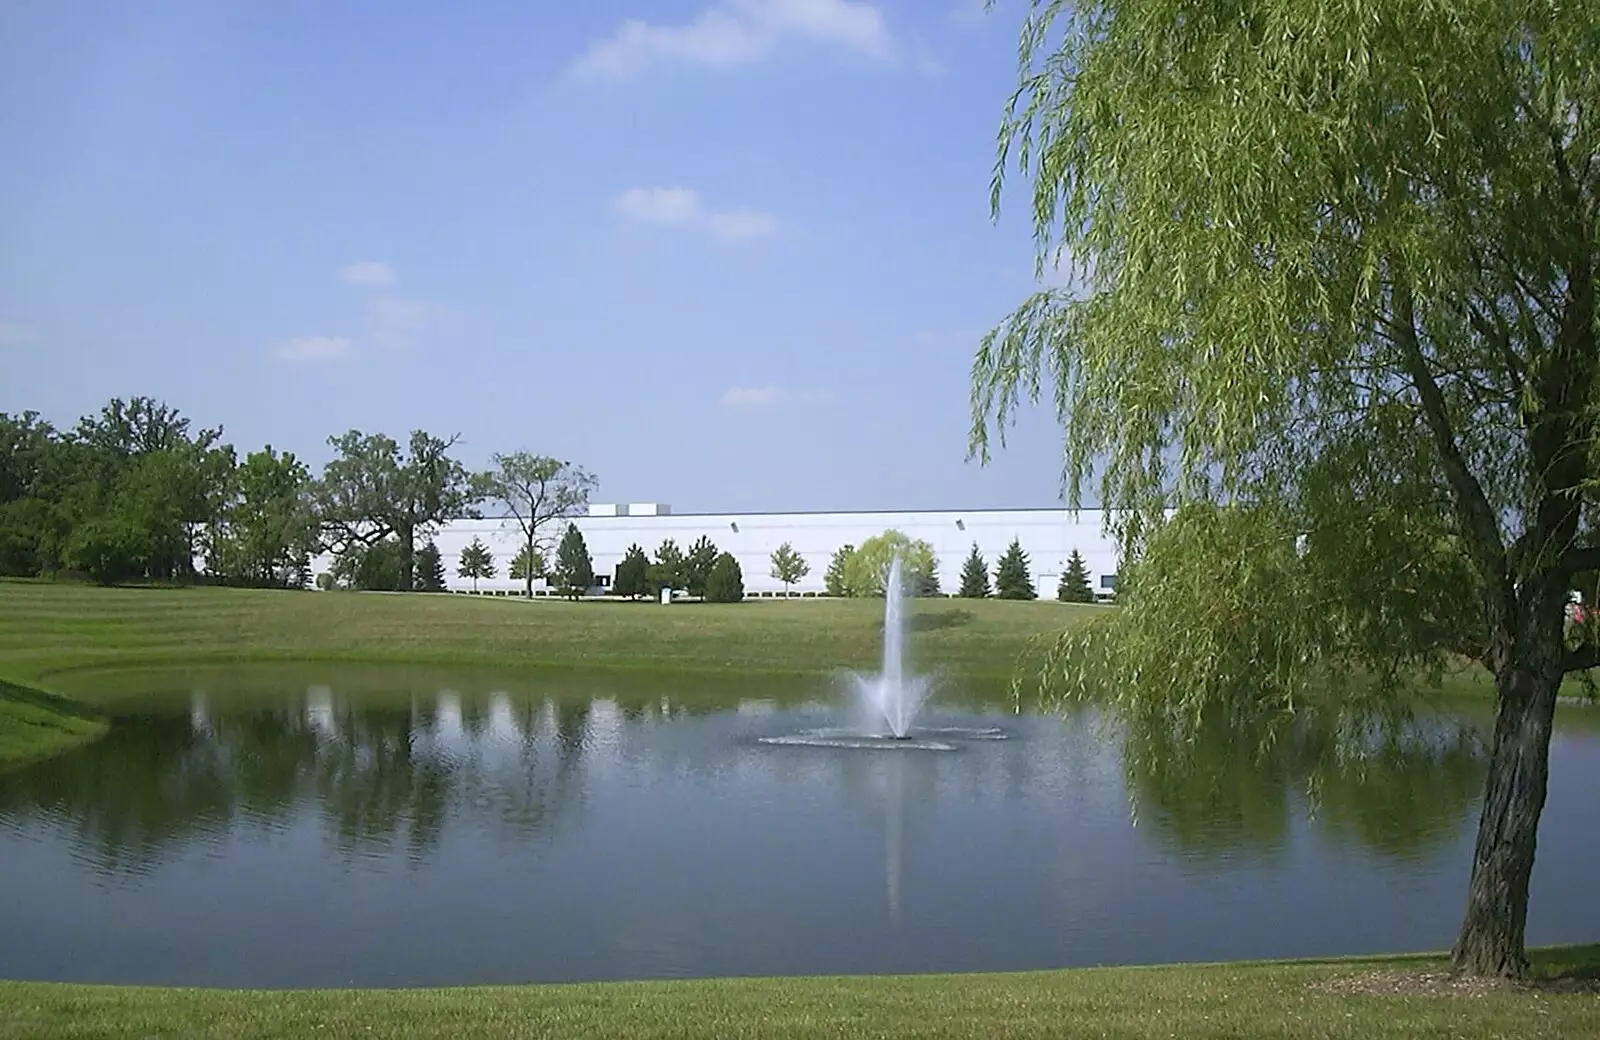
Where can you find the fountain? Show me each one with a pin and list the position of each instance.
(892, 693)
(889, 700)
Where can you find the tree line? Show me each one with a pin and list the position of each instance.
(137, 493)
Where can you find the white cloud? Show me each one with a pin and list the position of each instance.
(737, 224)
(683, 207)
(11, 335)
(308, 349)
(750, 396)
(737, 32)
(393, 322)
(370, 273)
(660, 205)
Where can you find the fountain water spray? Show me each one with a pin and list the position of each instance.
(889, 700)
(891, 693)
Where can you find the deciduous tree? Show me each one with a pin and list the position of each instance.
(476, 562)
(1336, 265)
(373, 489)
(788, 566)
(536, 490)
(836, 579)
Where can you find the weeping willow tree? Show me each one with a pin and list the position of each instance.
(1330, 360)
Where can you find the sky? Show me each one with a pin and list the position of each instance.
(728, 255)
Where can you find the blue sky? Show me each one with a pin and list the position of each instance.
(727, 254)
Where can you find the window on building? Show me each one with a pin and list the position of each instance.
(1108, 581)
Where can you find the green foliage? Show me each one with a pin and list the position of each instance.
(725, 583)
(697, 564)
(667, 570)
(927, 583)
(974, 575)
(788, 566)
(1011, 579)
(370, 568)
(1074, 586)
(430, 569)
(868, 567)
(326, 581)
(574, 573)
(630, 578)
(109, 549)
(836, 579)
(476, 562)
(535, 489)
(268, 525)
(373, 489)
(527, 565)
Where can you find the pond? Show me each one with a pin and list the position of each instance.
(284, 828)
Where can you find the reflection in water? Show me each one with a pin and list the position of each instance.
(456, 833)
(1401, 791)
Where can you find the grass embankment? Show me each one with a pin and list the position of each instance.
(57, 637)
(1371, 1000)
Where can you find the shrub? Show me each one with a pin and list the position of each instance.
(725, 583)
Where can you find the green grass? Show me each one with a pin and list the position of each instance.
(34, 724)
(1192, 1002)
(45, 629)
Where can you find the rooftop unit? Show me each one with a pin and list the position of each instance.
(649, 509)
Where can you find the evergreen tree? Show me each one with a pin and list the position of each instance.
(429, 569)
(667, 570)
(527, 565)
(630, 578)
(926, 583)
(574, 574)
(1011, 580)
(975, 575)
(697, 566)
(1074, 586)
(476, 562)
(788, 566)
(835, 580)
(725, 583)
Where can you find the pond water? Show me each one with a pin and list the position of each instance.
(393, 831)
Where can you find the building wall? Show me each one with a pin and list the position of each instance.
(1047, 535)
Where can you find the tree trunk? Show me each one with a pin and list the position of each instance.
(527, 571)
(1491, 940)
(408, 555)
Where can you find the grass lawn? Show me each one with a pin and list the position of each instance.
(1371, 1000)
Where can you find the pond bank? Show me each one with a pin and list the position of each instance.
(1277, 999)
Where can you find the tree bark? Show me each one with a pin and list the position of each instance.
(408, 556)
(1491, 940)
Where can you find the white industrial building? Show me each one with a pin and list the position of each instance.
(1048, 536)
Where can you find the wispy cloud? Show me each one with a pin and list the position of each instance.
(737, 32)
(367, 273)
(755, 398)
(750, 396)
(682, 207)
(394, 322)
(312, 349)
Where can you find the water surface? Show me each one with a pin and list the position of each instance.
(269, 831)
